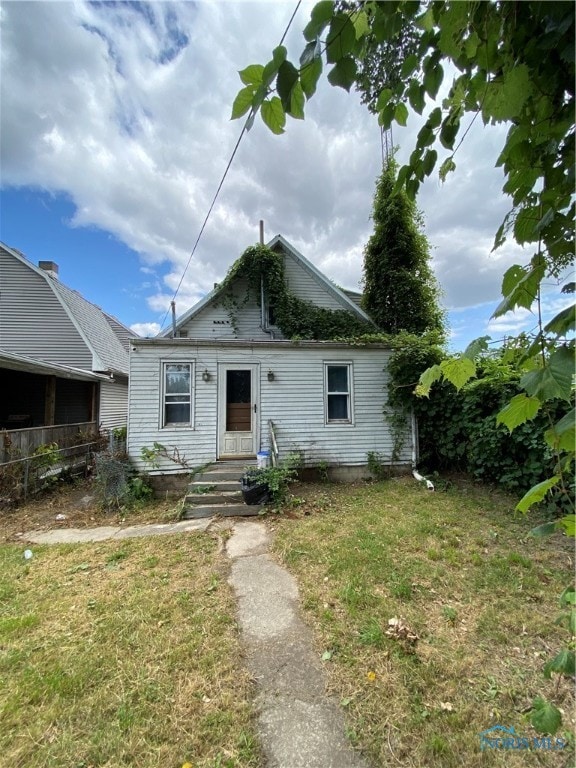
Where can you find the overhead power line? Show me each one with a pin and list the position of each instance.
(245, 128)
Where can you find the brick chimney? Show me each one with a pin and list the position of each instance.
(49, 266)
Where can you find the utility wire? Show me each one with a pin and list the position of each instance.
(245, 128)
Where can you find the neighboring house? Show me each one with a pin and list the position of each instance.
(210, 392)
(62, 359)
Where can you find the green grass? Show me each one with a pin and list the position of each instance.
(462, 574)
(122, 656)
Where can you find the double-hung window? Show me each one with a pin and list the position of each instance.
(177, 406)
(338, 393)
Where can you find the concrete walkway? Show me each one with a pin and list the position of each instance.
(85, 535)
(299, 725)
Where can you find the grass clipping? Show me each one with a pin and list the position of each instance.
(121, 654)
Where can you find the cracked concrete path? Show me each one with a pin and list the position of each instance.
(299, 725)
(85, 535)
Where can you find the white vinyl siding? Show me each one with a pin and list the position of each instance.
(113, 411)
(294, 401)
(308, 287)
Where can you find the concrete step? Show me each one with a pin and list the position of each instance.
(222, 472)
(228, 510)
(210, 485)
(215, 497)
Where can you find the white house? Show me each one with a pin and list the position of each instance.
(211, 387)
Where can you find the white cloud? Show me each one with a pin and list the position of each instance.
(147, 330)
(125, 107)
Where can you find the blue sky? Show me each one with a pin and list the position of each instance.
(115, 132)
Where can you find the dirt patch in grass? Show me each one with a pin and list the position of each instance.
(474, 601)
(78, 504)
(122, 654)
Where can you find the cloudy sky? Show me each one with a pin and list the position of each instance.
(115, 132)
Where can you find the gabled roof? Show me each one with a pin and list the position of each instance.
(345, 298)
(103, 335)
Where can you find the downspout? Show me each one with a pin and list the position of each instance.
(417, 476)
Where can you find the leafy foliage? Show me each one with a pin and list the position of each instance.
(261, 267)
(400, 291)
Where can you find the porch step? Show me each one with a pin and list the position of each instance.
(216, 490)
(228, 510)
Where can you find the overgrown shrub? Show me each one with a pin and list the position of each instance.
(458, 430)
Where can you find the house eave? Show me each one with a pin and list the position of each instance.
(16, 362)
(253, 344)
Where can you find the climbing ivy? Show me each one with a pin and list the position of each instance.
(261, 267)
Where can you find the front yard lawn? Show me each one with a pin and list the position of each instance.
(121, 654)
(474, 599)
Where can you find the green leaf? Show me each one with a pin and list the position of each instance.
(273, 115)
(309, 76)
(401, 114)
(563, 322)
(546, 529)
(383, 98)
(458, 371)
(525, 230)
(518, 411)
(433, 80)
(287, 78)
(536, 493)
(409, 65)
(448, 132)
(545, 717)
(429, 161)
(319, 18)
(448, 166)
(554, 379)
(416, 94)
(327, 655)
(343, 73)
(427, 378)
(520, 286)
(562, 436)
(297, 102)
(504, 98)
(568, 525)
(341, 38)
(476, 347)
(564, 663)
(252, 75)
(361, 26)
(568, 596)
(434, 118)
(242, 102)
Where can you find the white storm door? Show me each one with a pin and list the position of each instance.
(237, 410)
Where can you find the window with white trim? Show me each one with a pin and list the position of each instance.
(338, 393)
(177, 397)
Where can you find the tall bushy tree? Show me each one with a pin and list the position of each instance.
(400, 290)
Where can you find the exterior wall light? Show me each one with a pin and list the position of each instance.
(205, 375)
(270, 375)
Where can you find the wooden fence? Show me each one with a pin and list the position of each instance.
(33, 458)
(23, 443)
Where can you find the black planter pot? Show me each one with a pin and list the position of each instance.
(254, 492)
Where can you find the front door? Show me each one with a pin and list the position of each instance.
(237, 410)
